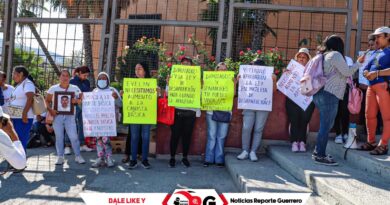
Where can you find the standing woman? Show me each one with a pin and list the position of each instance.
(378, 94)
(298, 118)
(22, 98)
(103, 144)
(62, 123)
(216, 133)
(327, 99)
(81, 81)
(140, 130)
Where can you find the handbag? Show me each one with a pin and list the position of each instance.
(221, 116)
(39, 104)
(165, 113)
(355, 98)
(15, 111)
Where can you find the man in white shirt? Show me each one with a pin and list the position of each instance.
(10, 147)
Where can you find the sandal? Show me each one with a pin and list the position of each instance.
(367, 147)
(380, 150)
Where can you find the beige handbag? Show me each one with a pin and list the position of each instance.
(39, 104)
(15, 111)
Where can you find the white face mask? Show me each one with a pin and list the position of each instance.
(102, 84)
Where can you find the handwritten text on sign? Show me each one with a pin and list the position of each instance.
(289, 84)
(99, 114)
(139, 101)
(184, 87)
(218, 90)
(255, 90)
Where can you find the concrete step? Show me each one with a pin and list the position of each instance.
(341, 184)
(379, 165)
(265, 176)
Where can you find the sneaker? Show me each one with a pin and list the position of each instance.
(325, 161)
(67, 151)
(85, 148)
(220, 165)
(145, 164)
(110, 162)
(206, 164)
(80, 160)
(338, 139)
(244, 155)
(98, 163)
(60, 161)
(294, 147)
(314, 155)
(185, 162)
(133, 164)
(302, 147)
(252, 156)
(172, 163)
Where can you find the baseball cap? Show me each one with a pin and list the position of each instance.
(380, 30)
(2, 114)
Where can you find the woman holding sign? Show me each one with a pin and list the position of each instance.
(298, 118)
(217, 130)
(140, 130)
(64, 121)
(103, 144)
(253, 119)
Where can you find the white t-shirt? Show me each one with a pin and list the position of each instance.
(7, 97)
(57, 88)
(13, 152)
(19, 97)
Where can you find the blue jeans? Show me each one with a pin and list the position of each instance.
(66, 123)
(80, 129)
(216, 135)
(23, 130)
(258, 119)
(135, 136)
(327, 104)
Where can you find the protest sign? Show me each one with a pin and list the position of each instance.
(289, 84)
(218, 90)
(184, 87)
(139, 101)
(255, 87)
(99, 114)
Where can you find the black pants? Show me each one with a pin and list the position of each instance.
(298, 120)
(341, 123)
(128, 144)
(182, 129)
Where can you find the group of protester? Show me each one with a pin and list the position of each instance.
(330, 101)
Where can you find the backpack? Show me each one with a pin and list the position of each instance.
(313, 78)
(355, 98)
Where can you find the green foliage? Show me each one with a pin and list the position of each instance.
(32, 62)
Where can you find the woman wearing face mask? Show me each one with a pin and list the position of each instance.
(140, 130)
(81, 81)
(297, 117)
(103, 144)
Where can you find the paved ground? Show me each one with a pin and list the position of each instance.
(43, 182)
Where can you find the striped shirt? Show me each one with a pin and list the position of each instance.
(336, 67)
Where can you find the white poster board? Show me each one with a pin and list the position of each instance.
(99, 114)
(362, 79)
(255, 87)
(289, 84)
